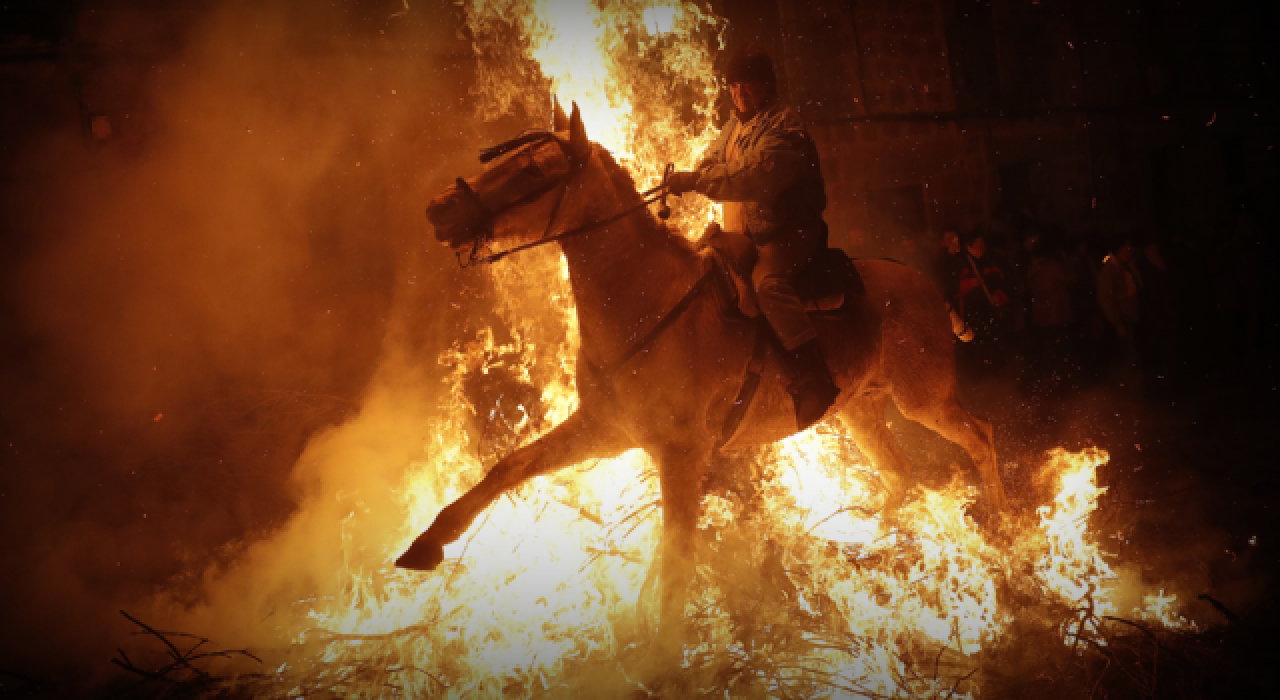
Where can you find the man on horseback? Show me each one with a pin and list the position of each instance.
(666, 393)
(766, 171)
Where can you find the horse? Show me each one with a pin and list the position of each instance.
(660, 362)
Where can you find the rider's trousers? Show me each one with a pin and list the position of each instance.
(774, 279)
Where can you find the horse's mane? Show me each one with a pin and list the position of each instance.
(625, 185)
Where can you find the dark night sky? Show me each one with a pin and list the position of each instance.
(189, 297)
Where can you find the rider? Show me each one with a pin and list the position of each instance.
(766, 171)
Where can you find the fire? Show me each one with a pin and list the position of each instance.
(630, 67)
(1070, 563)
(551, 589)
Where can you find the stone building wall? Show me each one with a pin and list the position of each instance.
(873, 79)
(945, 114)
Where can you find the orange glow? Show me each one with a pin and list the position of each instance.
(552, 583)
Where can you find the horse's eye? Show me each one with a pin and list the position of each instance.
(532, 170)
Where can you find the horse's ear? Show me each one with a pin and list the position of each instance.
(578, 144)
(561, 122)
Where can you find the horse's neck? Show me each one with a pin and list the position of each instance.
(625, 278)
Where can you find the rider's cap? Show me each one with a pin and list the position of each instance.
(750, 64)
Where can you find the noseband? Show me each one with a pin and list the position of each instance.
(482, 241)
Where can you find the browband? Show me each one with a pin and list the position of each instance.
(530, 136)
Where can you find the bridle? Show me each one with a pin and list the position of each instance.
(647, 197)
(481, 242)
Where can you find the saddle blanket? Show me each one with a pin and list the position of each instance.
(825, 284)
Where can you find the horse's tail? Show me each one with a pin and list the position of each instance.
(961, 329)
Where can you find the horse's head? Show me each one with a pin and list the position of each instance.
(521, 174)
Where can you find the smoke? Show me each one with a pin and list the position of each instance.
(224, 327)
(1164, 481)
(192, 296)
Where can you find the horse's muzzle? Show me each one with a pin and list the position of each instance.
(457, 220)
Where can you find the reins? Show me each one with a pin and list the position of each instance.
(647, 197)
(658, 328)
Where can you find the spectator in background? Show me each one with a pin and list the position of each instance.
(947, 264)
(983, 302)
(1053, 322)
(1013, 251)
(908, 252)
(1094, 343)
(1120, 290)
(1235, 266)
(1020, 256)
(1158, 341)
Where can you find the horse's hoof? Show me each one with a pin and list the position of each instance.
(425, 554)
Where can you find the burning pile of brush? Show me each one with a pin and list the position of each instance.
(803, 590)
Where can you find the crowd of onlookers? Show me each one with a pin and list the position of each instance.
(1153, 313)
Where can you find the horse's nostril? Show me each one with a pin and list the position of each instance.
(452, 221)
(440, 207)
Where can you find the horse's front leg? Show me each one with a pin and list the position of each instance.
(577, 439)
(681, 471)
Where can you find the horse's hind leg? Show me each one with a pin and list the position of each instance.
(577, 439)
(944, 415)
(864, 416)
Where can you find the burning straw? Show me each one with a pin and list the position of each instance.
(797, 595)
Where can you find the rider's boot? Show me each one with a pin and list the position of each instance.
(811, 388)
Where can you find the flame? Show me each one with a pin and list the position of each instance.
(1163, 610)
(553, 582)
(1070, 563)
(647, 97)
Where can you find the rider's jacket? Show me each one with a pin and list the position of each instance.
(773, 170)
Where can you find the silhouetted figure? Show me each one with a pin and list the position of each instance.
(1235, 266)
(983, 302)
(947, 264)
(1019, 255)
(1120, 291)
(1095, 340)
(1158, 339)
(1050, 279)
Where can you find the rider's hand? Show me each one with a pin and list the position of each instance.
(682, 181)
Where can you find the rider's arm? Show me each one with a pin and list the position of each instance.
(778, 159)
(714, 154)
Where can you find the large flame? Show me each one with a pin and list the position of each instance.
(640, 72)
(551, 587)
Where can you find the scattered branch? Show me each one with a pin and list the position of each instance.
(181, 674)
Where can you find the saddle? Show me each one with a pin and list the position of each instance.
(824, 285)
